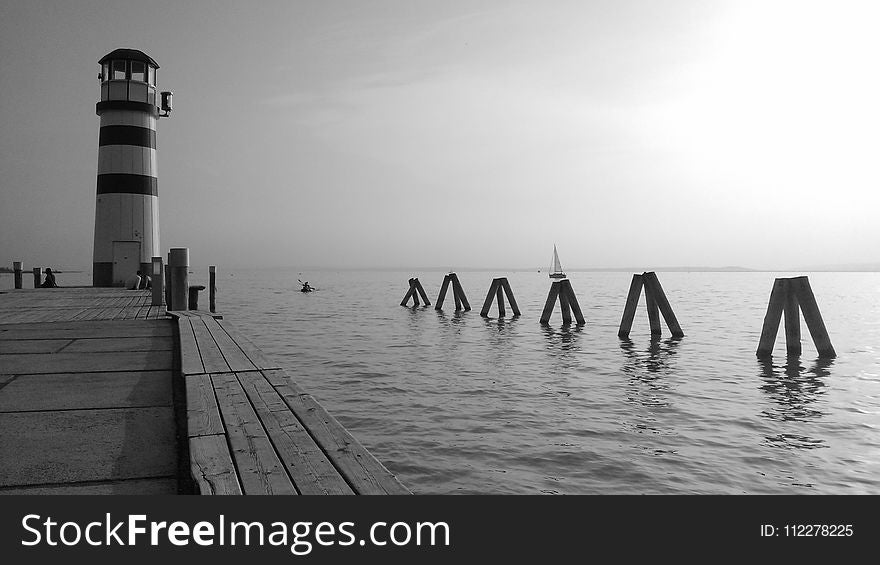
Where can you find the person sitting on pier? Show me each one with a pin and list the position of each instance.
(50, 280)
(133, 282)
(146, 282)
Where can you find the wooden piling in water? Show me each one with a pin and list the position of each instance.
(442, 296)
(457, 293)
(629, 310)
(567, 300)
(38, 271)
(409, 293)
(790, 297)
(415, 289)
(16, 270)
(510, 299)
(457, 288)
(497, 290)
(422, 293)
(655, 302)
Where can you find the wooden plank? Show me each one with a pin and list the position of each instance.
(212, 357)
(232, 353)
(442, 296)
(456, 285)
(32, 346)
(493, 288)
(652, 282)
(202, 412)
(551, 302)
(772, 319)
(573, 302)
(154, 343)
(259, 468)
(63, 362)
(509, 292)
(190, 358)
(792, 321)
(311, 470)
(807, 302)
(362, 471)
(211, 465)
(256, 356)
(629, 310)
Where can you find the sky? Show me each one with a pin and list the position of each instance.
(456, 134)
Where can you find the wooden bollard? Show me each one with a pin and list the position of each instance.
(158, 281)
(415, 290)
(178, 265)
(567, 300)
(791, 297)
(496, 289)
(38, 272)
(461, 300)
(656, 303)
(16, 270)
(212, 288)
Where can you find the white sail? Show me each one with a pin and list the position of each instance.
(556, 267)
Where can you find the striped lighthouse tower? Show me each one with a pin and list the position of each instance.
(127, 208)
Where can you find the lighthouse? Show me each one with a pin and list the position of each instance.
(127, 207)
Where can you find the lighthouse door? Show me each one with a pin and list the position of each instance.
(126, 260)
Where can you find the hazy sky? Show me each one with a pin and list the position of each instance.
(460, 134)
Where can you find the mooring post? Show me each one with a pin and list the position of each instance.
(653, 312)
(16, 269)
(178, 264)
(564, 304)
(158, 279)
(772, 318)
(409, 293)
(212, 292)
(510, 299)
(442, 296)
(652, 283)
(493, 288)
(500, 294)
(456, 286)
(38, 271)
(415, 294)
(792, 321)
(573, 302)
(167, 283)
(807, 302)
(629, 310)
(551, 301)
(422, 293)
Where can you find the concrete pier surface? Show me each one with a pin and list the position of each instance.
(86, 400)
(100, 392)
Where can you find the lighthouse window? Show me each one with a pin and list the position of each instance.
(118, 70)
(105, 71)
(151, 75)
(138, 71)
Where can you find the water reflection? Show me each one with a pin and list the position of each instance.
(647, 368)
(795, 390)
(563, 340)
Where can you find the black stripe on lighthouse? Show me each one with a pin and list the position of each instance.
(127, 135)
(122, 183)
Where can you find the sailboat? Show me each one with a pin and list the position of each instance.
(556, 267)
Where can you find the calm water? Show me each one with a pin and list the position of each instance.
(455, 403)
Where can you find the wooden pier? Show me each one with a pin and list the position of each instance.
(100, 392)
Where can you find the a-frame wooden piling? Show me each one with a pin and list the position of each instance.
(415, 290)
(457, 293)
(567, 300)
(656, 303)
(792, 297)
(498, 289)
